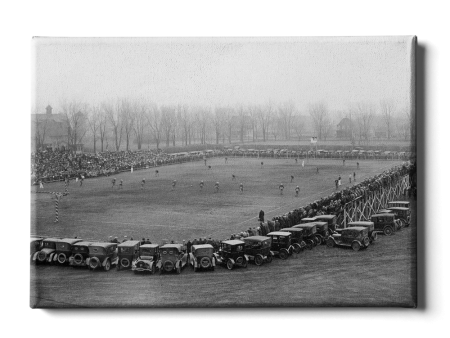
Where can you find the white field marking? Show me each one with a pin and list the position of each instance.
(284, 205)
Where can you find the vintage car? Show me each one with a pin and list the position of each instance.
(80, 253)
(147, 259)
(297, 239)
(369, 225)
(281, 244)
(307, 220)
(172, 258)
(35, 245)
(403, 215)
(64, 249)
(257, 249)
(402, 204)
(331, 219)
(102, 255)
(127, 251)
(354, 237)
(202, 257)
(231, 253)
(321, 232)
(47, 252)
(385, 223)
(309, 232)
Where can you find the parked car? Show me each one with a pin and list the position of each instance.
(322, 232)
(307, 220)
(281, 244)
(385, 223)
(127, 251)
(172, 258)
(102, 255)
(80, 253)
(331, 219)
(354, 237)
(231, 253)
(202, 257)
(147, 259)
(257, 249)
(403, 214)
(309, 232)
(369, 225)
(64, 249)
(35, 245)
(297, 239)
(403, 204)
(47, 251)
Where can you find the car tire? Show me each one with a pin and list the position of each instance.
(259, 260)
(269, 258)
(310, 244)
(366, 241)
(330, 243)
(125, 262)
(374, 236)
(387, 231)
(356, 246)
(318, 240)
(297, 248)
(230, 264)
(107, 266)
(244, 263)
(283, 254)
(62, 259)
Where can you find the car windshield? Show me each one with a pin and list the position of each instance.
(147, 251)
(204, 252)
(62, 246)
(49, 245)
(97, 250)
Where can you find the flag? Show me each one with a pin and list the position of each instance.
(313, 139)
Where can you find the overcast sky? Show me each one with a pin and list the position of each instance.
(226, 71)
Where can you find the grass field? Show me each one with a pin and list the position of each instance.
(382, 274)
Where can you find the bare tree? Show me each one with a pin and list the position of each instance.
(218, 120)
(168, 119)
(40, 129)
(265, 115)
(242, 122)
(364, 115)
(140, 122)
(285, 113)
(230, 122)
(327, 127)
(115, 118)
(298, 124)
(320, 116)
(387, 113)
(185, 122)
(253, 112)
(93, 118)
(75, 115)
(102, 124)
(128, 114)
(155, 122)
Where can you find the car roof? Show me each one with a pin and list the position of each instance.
(277, 233)
(398, 208)
(398, 202)
(320, 223)
(103, 244)
(306, 225)
(202, 246)
(51, 239)
(83, 243)
(32, 239)
(149, 246)
(233, 242)
(71, 240)
(325, 216)
(360, 222)
(312, 219)
(291, 229)
(172, 245)
(128, 244)
(256, 238)
(355, 228)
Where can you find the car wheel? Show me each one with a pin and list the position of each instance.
(259, 260)
(330, 243)
(244, 263)
(388, 231)
(297, 248)
(230, 265)
(356, 246)
(62, 258)
(284, 254)
(310, 244)
(269, 258)
(107, 265)
(366, 241)
(318, 240)
(374, 236)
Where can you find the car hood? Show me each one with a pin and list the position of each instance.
(47, 250)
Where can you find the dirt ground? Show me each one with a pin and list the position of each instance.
(384, 274)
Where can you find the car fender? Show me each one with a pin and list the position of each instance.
(88, 259)
(232, 260)
(159, 264)
(177, 264)
(213, 261)
(272, 253)
(247, 258)
(51, 256)
(35, 255)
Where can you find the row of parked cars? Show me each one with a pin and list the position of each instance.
(155, 258)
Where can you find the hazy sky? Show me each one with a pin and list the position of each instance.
(223, 71)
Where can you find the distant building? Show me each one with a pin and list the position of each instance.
(49, 130)
(345, 129)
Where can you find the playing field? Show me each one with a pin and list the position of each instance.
(97, 211)
(382, 274)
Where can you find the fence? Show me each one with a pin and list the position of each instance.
(361, 208)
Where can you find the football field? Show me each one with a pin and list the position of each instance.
(382, 274)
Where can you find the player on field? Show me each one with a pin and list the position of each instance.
(336, 182)
(281, 187)
(156, 173)
(354, 176)
(121, 184)
(201, 185)
(241, 188)
(350, 178)
(233, 177)
(174, 183)
(262, 163)
(296, 160)
(81, 180)
(297, 191)
(303, 163)
(142, 183)
(226, 160)
(357, 165)
(317, 170)
(209, 167)
(113, 183)
(339, 180)
(216, 186)
(292, 178)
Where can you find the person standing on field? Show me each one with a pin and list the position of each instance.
(113, 183)
(142, 183)
(261, 216)
(121, 184)
(297, 191)
(354, 176)
(281, 187)
(201, 185)
(350, 178)
(241, 188)
(174, 183)
(292, 178)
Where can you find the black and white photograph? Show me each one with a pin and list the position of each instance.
(223, 172)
